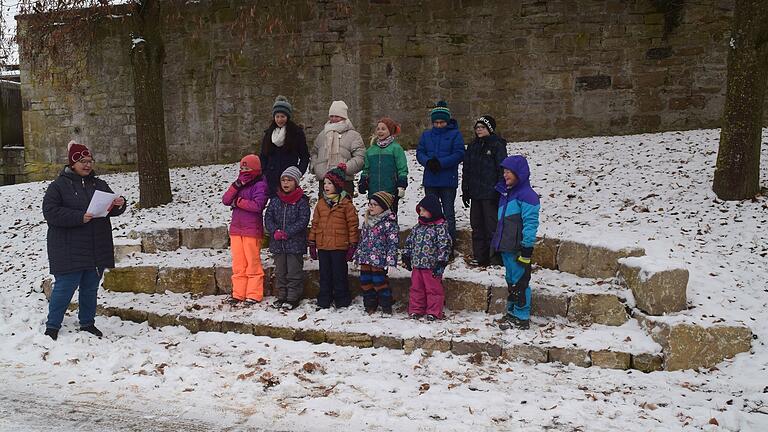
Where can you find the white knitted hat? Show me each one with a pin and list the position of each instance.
(338, 108)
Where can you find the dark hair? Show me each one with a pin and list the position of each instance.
(292, 132)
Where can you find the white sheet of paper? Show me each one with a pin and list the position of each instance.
(99, 206)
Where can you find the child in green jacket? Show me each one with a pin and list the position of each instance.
(385, 168)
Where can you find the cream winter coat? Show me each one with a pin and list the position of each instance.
(337, 142)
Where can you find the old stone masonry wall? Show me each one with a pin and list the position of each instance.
(556, 68)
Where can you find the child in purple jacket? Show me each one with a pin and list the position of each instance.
(247, 196)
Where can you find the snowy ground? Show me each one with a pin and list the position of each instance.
(649, 190)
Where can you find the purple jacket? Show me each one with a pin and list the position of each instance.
(247, 206)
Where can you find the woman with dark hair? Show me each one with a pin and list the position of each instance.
(284, 145)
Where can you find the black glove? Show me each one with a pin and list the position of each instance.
(520, 286)
(407, 262)
(362, 187)
(465, 199)
(433, 165)
(238, 184)
(439, 269)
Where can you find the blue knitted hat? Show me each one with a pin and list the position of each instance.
(440, 111)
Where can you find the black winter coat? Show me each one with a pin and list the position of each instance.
(482, 167)
(293, 152)
(72, 244)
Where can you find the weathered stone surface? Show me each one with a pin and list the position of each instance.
(311, 336)
(123, 251)
(587, 309)
(578, 357)
(592, 261)
(236, 327)
(648, 362)
(655, 292)
(359, 340)
(689, 346)
(202, 238)
(462, 347)
(549, 305)
(427, 344)
(545, 252)
(47, 287)
(223, 276)
(130, 314)
(195, 280)
(195, 325)
(274, 332)
(610, 359)
(140, 279)
(165, 320)
(166, 239)
(390, 342)
(462, 295)
(523, 352)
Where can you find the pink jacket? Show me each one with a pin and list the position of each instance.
(247, 205)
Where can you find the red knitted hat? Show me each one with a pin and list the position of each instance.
(77, 151)
(251, 161)
(337, 176)
(394, 128)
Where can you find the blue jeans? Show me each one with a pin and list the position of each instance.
(64, 288)
(514, 271)
(447, 197)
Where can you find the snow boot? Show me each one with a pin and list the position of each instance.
(289, 306)
(430, 318)
(52, 333)
(92, 330)
(278, 304)
(415, 316)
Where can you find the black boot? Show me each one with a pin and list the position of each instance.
(92, 330)
(52, 333)
(370, 301)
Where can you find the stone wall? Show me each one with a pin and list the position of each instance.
(544, 69)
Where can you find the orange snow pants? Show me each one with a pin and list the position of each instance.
(247, 272)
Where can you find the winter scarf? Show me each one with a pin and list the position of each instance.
(247, 177)
(333, 133)
(278, 136)
(290, 197)
(372, 220)
(333, 199)
(384, 143)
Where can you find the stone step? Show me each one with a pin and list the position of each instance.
(548, 340)
(581, 300)
(580, 258)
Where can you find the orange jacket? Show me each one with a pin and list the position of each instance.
(334, 228)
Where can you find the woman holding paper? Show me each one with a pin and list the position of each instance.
(79, 243)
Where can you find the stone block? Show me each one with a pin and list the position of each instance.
(204, 238)
(130, 314)
(195, 325)
(124, 251)
(462, 347)
(692, 346)
(390, 342)
(158, 321)
(545, 252)
(274, 332)
(572, 257)
(166, 239)
(549, 305)
(588, 309)
(195, 280)
(610, 359)
(592, 261)
(427, 344)
(360, 340)
(656, 291)
(526, 352)
(223, 277)
(463, 295)
(236, 327)
(578, 357)
(311, 336)
(142, 279)
(647, 362)
(595, 82)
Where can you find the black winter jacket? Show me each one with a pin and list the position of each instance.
(482, 167)
(72, 244)
(274, 160)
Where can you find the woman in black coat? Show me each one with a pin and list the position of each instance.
(79, 245)
(283, 145)
(482, 170)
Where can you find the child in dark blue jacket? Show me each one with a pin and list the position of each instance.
(515, 236)
(286, 222)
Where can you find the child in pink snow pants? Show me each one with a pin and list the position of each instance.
(426, 253)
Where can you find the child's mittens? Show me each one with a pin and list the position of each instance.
(525, 256)
(237, 184)
(363, 186)
(312, 250)
(351, 251)
(407, 262)
(401, 192)
(433, 165)
(280, 235)
(525, 260)
(439, 269)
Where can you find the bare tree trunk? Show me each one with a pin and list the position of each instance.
(737, 175)
(147, 57)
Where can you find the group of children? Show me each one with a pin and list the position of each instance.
(336, 236)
